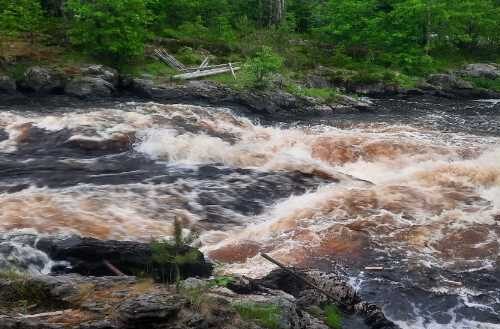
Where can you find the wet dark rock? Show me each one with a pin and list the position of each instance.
(89, 87)
(270, 102)
(7, 85)
(42, 80)
(87, 256)
(3, 135)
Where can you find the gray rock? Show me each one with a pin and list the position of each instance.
(448, 82)
(193, 283)
(89, 87)
(373, 89)
(7, 85)
(100, 71)
(42, 80)
(481, 70)
(150, 308)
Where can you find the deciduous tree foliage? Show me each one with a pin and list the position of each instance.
(405, 33)
(20, 16)
(113, 28)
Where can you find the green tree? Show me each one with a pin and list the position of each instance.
(20, 16)
(115, 29)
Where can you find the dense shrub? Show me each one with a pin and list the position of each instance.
(112, 28)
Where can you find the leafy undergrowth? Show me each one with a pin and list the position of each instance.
(267, 315)
(21, 294)
(491, 84)
(333, 317)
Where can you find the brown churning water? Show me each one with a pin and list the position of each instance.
(307, 195)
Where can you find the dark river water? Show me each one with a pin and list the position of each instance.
(412, 187)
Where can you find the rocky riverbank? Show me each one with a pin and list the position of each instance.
(90, 298)
(93, 82)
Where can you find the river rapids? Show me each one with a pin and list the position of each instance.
(413, 187)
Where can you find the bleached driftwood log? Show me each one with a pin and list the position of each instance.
(205, 73)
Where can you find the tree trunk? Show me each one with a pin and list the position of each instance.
(275, 11)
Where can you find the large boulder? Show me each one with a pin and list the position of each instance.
(150, 309)
(481, 70)
(100, 71)
(87, 256)
(7, 85)
(89, 87)
(42, 81)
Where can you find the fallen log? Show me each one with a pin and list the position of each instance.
(113, 269)
(303, 279)
(205, 73)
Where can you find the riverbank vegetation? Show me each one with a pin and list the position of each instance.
(395, 41)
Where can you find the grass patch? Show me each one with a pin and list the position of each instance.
(490, 84)
(266, 315)
(21, 292)
(156, 69)
(333, 316)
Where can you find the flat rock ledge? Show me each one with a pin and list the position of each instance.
(80, 302)
(82, 292)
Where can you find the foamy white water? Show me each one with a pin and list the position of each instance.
(418, 200)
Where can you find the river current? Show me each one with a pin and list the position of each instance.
(412, 187)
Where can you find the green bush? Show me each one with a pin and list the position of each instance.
(115, 29)
(168, 255)
(20, 16)
(261, 67)
(266, 315)
(491, 84)
(333, 317)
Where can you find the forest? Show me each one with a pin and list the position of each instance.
(411, 37)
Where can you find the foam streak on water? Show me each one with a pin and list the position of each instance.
(417, 199)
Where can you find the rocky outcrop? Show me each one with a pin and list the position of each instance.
(148, 309)
(272, 102)
(481, 70)
(94, 81)
(119, 303)
(89, 87)
(79, 302)
(333, 283)
(42, 80)
(452, 85)
(448, 82)
(86, 256)
(102, 72)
